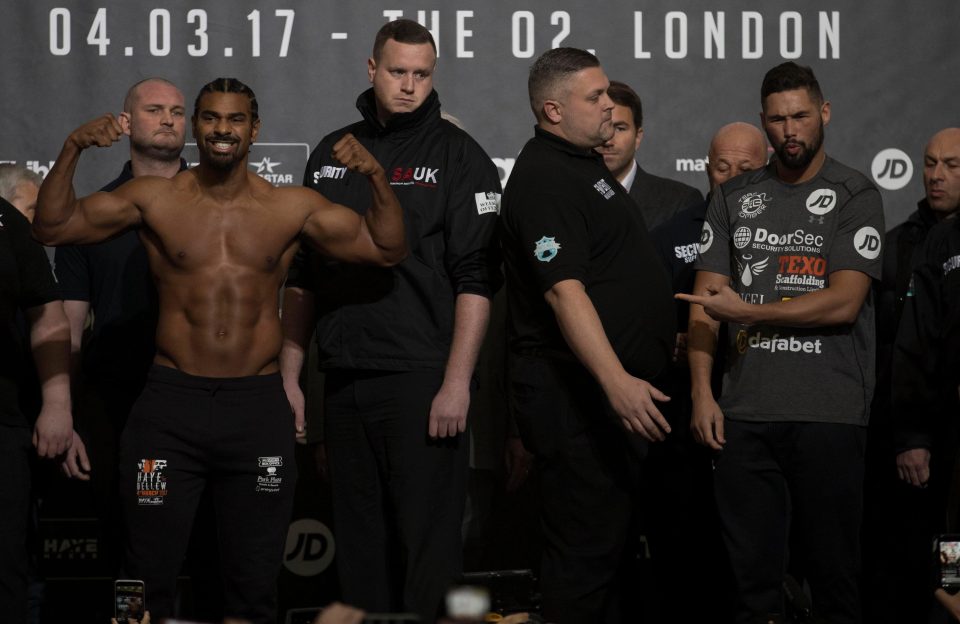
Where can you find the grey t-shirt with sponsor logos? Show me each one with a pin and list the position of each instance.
(778, 241)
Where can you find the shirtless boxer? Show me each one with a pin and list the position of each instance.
(219, 241)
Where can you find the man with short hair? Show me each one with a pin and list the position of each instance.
(219, 240)
(787, 257)
(658, 198)
(111, 358)
(905, 501)
(591, 329)
(19, 186)
(398, 347)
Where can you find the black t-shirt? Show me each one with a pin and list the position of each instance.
(566, 217)
(25, 282)
(114, 277)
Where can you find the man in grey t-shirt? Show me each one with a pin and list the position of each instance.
(787, 255)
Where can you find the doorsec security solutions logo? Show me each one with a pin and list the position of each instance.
(278, 163)
(892, 169)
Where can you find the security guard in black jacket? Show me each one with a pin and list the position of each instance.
(398, 346)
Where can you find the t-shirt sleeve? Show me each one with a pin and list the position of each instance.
(472, 255)
(37, 285)
(714, 249)
(859, 240)
(72, 270)
(554, 237)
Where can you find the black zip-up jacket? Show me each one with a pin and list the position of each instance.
(401, 318)
(926, 358)
(903, 253)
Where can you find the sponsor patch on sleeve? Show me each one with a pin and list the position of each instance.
(487, 202)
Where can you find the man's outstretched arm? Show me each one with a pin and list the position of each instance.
(378, 236)
(62, 218)
(837, 304)
(631, 398)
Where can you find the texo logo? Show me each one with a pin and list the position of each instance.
(892, 169)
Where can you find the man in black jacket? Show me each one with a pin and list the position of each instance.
(27, 287)
(658, 198)
(399, 346)
(905, 499)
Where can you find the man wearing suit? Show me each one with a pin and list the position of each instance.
(658, 198)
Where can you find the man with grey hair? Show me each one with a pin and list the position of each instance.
(591, 329)
(19, 186)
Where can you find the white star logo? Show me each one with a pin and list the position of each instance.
(265, 165)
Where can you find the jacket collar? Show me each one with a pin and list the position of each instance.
(367, 105)
(562, 145)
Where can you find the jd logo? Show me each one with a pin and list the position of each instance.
(821, 201)
(892, 169)
(310, 547)
(867, 242)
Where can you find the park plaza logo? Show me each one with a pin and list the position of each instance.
(414, 176)
(270, 479)
(777, 343)
(752, 205)
(546, 249)
(892, 169)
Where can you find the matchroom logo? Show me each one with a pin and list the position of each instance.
(892, 169)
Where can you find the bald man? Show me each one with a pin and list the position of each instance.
(678, 485)
(736, 148)
(906, 498)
